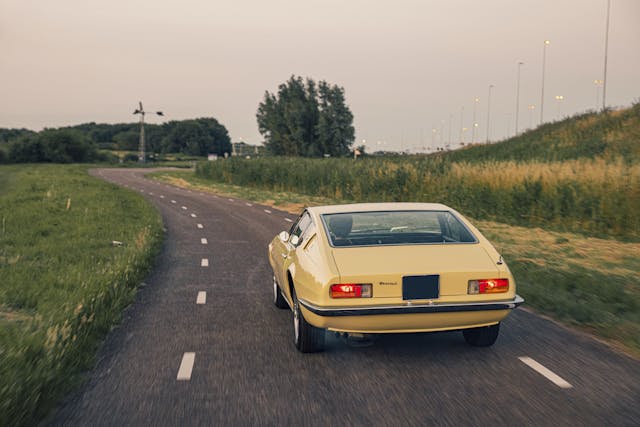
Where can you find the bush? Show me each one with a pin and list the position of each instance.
(53, 146)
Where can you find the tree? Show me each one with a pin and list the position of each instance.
(197, 137)
(305, 119)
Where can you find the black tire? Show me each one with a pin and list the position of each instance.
(278, 299)
(482, 337)
(307, 338)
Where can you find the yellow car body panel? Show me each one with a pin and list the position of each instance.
(312, 265)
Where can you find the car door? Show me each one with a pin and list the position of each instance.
(288, 249)
(280, 252)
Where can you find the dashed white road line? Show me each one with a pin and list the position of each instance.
(204, 262)
(173, 201)
(248, 204)
(150, 193)
(557, 380)
(193, 215)
(200, 226)
(186, 367)
(267, 211)
(202, 298)
(204, 241)
(161, 196)
(231, 200)
(184, 208)
(288, 220)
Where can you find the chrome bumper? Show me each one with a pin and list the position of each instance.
(409, 308)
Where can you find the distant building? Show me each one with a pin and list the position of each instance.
(243, 149)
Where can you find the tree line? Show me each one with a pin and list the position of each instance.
(82, 143)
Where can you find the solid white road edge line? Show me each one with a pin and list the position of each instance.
(200, 226)
(202, 298)
(203, 241)
(204, 262)
(186, 366)
(267, 210)
(545, 372)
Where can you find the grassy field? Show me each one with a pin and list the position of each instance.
(585, 282)
(580, 175)
(64, 284)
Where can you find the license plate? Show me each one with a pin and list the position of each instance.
(421, 287)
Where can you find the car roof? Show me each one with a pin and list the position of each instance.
(377, 207)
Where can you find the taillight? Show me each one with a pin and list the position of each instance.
(350, 290)
(488, 286)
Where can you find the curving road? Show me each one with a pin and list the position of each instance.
(204, 345)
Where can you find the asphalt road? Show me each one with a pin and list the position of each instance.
(246, 370)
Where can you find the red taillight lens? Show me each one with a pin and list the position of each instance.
(350, 290)
(488, 286)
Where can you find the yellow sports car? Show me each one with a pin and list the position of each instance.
(376, 268)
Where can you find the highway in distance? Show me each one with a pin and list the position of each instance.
(203, 344)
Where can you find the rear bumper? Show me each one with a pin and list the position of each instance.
(408, 317)
(411, 308)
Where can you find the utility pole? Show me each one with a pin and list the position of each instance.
(141, 145)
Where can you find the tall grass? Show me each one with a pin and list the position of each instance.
(63, 284)
(596, 197)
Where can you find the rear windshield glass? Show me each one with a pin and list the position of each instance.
(395, 228)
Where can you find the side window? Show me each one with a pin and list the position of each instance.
(308, 232)
(453, 230)
(304, 222)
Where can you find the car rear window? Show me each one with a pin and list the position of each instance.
(395, 228)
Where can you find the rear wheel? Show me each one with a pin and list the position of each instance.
(307, 338)
(482, 337)
(278, 299)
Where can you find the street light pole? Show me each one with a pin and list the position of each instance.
(518, 96)
(489, 112)
(141, 145)
(474, 125)
(531, 108)
(606, 49)
(559, 98)
(597, 84)
(544, 58)
(461, 125)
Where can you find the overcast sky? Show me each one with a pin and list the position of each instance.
(408, 67)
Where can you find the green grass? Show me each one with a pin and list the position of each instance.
(611, 135)
(64, 285)
(586, 282)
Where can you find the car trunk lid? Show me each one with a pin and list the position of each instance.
(385, 266)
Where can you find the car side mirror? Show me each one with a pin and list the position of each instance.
(295, 240)
(284, 236)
